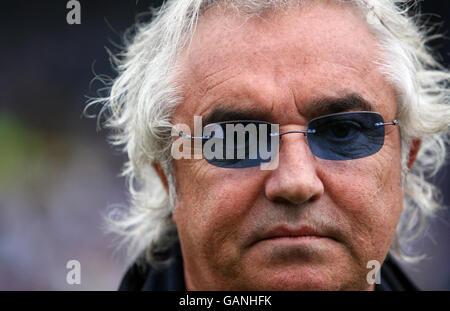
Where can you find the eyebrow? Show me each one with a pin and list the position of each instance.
(223, 114)
(316, 108)
(329, 105)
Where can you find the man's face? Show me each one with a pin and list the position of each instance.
(310, 223)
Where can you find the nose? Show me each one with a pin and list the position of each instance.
(295, 180)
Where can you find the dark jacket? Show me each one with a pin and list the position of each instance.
(141, 277)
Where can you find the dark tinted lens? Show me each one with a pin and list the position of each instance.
(237, 146)
(346, 136)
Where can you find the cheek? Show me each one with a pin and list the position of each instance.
(369, 195)
(210, 220)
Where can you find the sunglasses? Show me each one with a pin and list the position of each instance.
(339, 136)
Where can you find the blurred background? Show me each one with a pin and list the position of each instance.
(57, 172)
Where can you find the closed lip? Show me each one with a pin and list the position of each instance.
(292, 232)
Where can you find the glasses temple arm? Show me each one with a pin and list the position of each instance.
(395, 122)
(181, 134)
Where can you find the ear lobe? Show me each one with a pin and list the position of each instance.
(161, 175)
(173, 218)
(415, 146)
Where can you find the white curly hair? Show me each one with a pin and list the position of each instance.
(142, 98)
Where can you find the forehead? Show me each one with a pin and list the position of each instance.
(283, 61)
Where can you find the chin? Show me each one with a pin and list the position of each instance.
(307, 279)
(300, 282)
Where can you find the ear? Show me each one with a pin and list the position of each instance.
(163, 179)
(161, 175)
(415, 146)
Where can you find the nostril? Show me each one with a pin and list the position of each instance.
(287, 202)
(281, 200)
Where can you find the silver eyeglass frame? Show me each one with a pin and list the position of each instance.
(304, 132)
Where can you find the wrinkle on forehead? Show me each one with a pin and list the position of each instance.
(262, 49)
(252, 35)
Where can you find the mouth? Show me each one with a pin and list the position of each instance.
(285, 244)
(286, 234)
